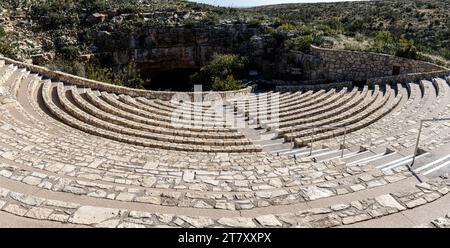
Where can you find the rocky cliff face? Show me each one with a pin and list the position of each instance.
(166, 49)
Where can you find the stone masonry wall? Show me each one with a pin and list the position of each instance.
(338, 65)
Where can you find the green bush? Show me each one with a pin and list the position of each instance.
(219, 69)
(70, 52)
(2, 32)
(229, 83)
(288, 27)
(54, 14)
(255, 24)
(71, 67)
(7, 50)
(301, 43)
(124, 77)
(383, 42)
(445, 52)
(406, 49)
(101, 74)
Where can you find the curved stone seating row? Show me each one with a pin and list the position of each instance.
(350, 110)
(328, 98)
(5, 72)
(202, 109)
(127, 105)
(10, 80)
(210, 115)
(343, 106)
(320, 107)
(86, 123)
(251, 99)
(397, 130)
(121, 117)
(357, 122)
(124, 111)
(300, 101)
(348, 118)
(244, 107)
(395, 118)
(262, 112)
(181, 104)
(332, 102)
(284, 109)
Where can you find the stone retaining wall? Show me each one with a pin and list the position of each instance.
(410, 77)
(96, 85)
(341, 65)
(303, 87)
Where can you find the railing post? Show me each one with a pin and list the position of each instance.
(416, 149)
(343, 142)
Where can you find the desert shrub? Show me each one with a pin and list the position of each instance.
(100, 74)
(254, 24)
(95, 5)
(300, 43)
(218, 71)
(72, 67)
(445, 52)
(7, 50)
(70, 52)
(124, 77)
(229, 83)
(334, 24)
(405, 48)
(2, 32)
(53, 14)
(287, 27)
(383, 42)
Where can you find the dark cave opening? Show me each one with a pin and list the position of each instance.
(177, 79)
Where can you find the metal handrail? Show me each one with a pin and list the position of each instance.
(324, 127)
(416, 149)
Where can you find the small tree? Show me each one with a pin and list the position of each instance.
(2, 32)
(217, 72)
(383, 42)
(445, 52)
(229, 83)
(124, 77)
(301, 43)
(406, 48)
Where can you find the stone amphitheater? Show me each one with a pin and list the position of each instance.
(80, 153)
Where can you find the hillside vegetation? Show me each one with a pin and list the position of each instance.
(425, 22)
(64, 30)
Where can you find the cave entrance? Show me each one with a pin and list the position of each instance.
(174, 79)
